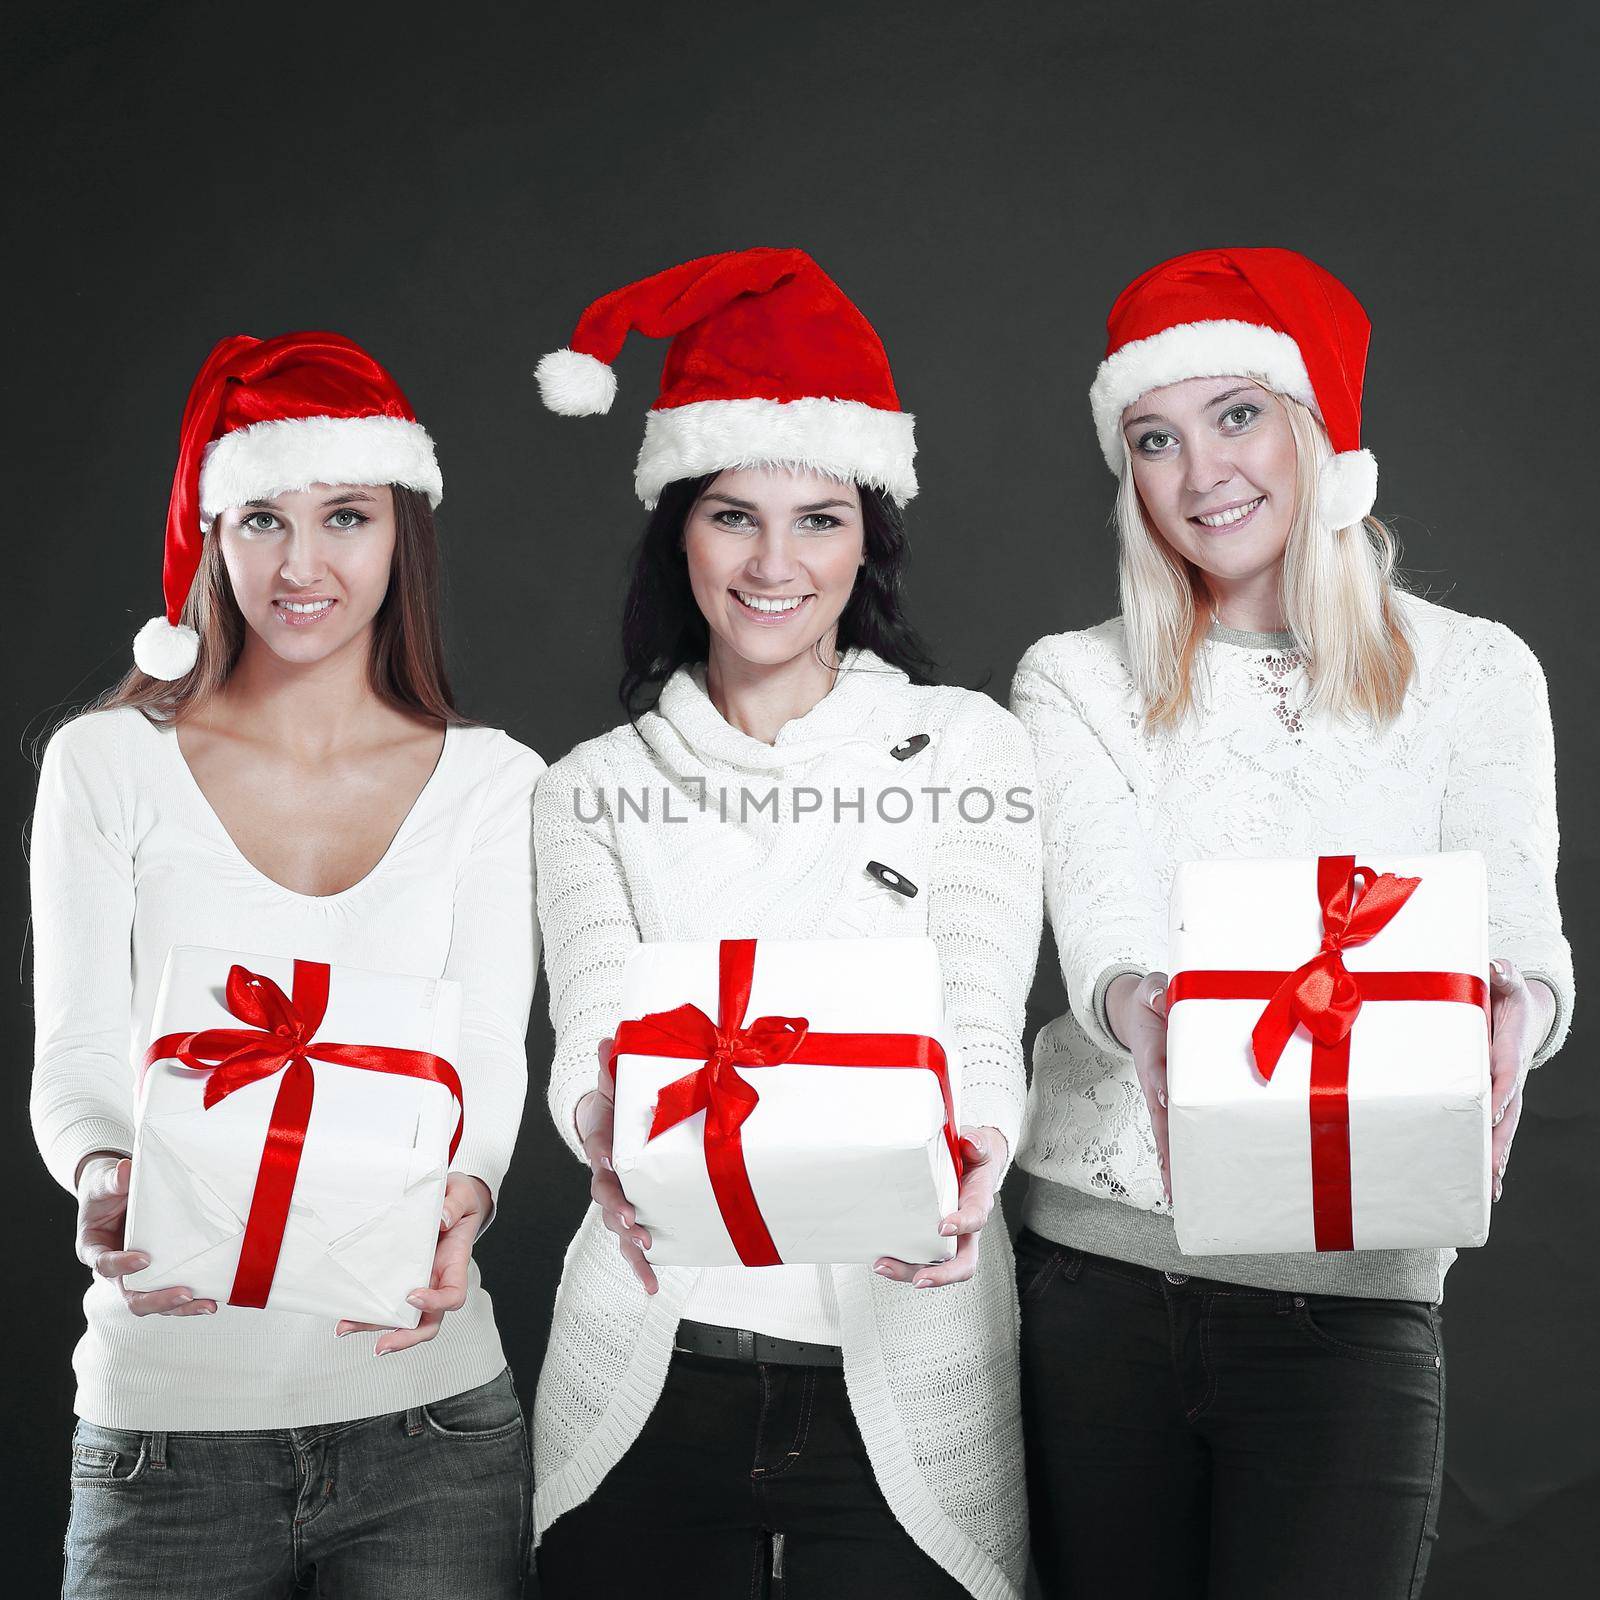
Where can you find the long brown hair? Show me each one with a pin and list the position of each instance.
(407, 666)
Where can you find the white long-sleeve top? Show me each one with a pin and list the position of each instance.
(932, 1374)
(1469, 764)
(129, 859)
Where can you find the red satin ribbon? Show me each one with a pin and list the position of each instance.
(282, 1035)
(727, 1099)
(1325, 998)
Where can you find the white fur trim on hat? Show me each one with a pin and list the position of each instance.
(1347, 487)
(1221, 349)
(162, 650)
(845, 439)
(276, 457)
(575, 385)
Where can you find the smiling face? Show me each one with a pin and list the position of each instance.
(773, 556)
(1214, 461)
(310, 568)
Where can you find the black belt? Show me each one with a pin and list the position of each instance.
(741, 1344)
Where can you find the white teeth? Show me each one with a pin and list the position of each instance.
(303, 607)
(1221, 519)
(758, 603)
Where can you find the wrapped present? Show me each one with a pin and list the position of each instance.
(1328, 1054)
(787, 1101)
(296, 1123)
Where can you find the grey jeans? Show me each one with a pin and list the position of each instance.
(430, 1501)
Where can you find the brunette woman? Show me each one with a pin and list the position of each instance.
(286, 772)
(802, 1430)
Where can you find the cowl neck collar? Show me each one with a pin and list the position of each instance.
(687, 732)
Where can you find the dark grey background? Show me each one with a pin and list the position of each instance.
(451, 185)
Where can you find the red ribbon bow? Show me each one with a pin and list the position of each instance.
(722, 1093)
(1324, 997)
(282, 1035)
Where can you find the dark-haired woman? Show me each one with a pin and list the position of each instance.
(803, 1430)
(285, 772)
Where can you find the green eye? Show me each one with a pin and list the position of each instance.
(260, 522)
(1241, 415)
(1154, 442)
(346, 519)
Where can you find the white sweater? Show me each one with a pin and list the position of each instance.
(128, 860)
(932, 1374)
(1469, 764)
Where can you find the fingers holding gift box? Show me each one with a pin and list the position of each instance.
(596, 1119)
(296, 1122)
(983, 1167)
(786, 1102)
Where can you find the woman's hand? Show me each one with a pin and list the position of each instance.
(467, 1203)
(594, 1117)
(103, 1182)
(1136, 1008)
(983, 1155)
(1520, 1014)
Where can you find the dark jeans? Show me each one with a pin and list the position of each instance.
(749, 1480)
(1192, 1438)
(431, 1501)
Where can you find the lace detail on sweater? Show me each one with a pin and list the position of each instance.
(1468, 765)
(1280, 675)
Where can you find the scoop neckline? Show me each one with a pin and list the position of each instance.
(214, 819)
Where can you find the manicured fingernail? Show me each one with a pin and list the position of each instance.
(415, 1298)
(605, 1161)
(445, 1220)
(883, 1271)
(921, 1283)
(947, 1228)
(1161, 1096)
(208, 1311)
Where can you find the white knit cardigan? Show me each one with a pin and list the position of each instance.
(931, 1374)
(1469, 764)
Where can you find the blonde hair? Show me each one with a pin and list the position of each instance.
(1338, 588)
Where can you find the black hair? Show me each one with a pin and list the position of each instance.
(663, 628)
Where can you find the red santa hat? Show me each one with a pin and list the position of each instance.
(1266, 313)
(266, 416)
(770, 364)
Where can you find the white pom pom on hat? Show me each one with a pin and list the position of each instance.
(1347, 488)
(575, 385)
(162, 650)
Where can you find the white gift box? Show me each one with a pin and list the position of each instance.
(1418, 1084)
(845, 1163)
(364, 1216)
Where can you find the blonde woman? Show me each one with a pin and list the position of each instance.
(1231, 1426)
